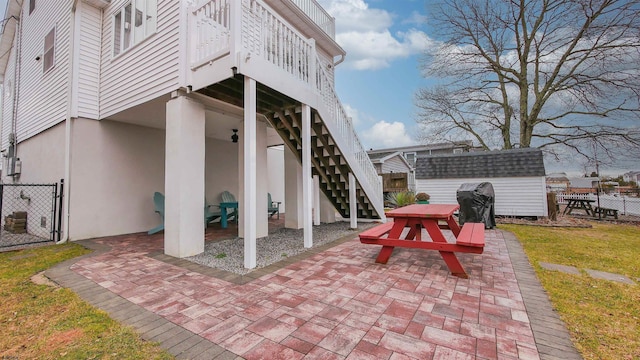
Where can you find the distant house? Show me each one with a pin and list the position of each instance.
(390, 160)
(397, 174)
(558, 182)
(517, 176)
(411, 153)
(632, 176)
(583, 184)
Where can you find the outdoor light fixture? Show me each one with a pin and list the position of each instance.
(234, 137)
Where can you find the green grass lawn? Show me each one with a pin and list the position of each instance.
(603, 317)
(44, 322)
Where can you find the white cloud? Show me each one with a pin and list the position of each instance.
(365, 34)
(352, 113)
(415, 19)
(385, 135)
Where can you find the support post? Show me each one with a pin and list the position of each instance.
(184, 178)
(307, 193)
(250, 177)
(353, 205)
(316, 200)
(292, 191)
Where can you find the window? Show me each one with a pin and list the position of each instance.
(411, 158)
(134, 22)
(49, 50)
(457, 151)
(32, 6)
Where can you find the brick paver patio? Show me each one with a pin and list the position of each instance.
(334, 304)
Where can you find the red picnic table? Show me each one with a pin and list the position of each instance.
(433, 218)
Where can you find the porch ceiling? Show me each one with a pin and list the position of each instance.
(231, 91)
(221, 117)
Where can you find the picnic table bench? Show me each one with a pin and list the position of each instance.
(605, 212)
(469, 238)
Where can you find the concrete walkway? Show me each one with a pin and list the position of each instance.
(331, 303)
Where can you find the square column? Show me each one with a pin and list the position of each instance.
(307, 181)
(353, 205)
(327, 210)
(316, 200)
(249, 146)
(184, 178)
(262, 222)
(292, 190)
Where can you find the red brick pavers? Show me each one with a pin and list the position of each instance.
(338, 304)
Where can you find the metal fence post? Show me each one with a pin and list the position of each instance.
(1, 198)
(60, 209)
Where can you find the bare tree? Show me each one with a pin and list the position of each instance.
(556, 74)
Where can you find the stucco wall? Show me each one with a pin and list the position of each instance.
(42, 157)
(117, 167)
(275, 164)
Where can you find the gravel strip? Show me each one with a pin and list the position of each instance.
(281, 243)
(10, 241)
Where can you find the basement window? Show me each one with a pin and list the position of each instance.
(49, 50)
(134, 22)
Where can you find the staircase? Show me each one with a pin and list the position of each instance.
(329, 164)
(284, 62)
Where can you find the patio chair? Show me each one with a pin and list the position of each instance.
(158, 202)
(228, 197)
(209, 215)
(273, 207)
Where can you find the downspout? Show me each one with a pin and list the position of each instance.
(13, 140)
(339, 61)
(67, 124)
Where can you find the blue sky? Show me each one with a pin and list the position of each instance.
(384, 40)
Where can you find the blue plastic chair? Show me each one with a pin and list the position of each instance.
(209, 215)
(158, 202)
(228, 197)
(273, 206)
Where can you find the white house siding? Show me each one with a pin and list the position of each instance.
(89, 53)
(42, 97)
(396, 165)
(518, 196)
(7, 99)
(327, 65)
(146, 70)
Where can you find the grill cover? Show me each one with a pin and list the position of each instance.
(477, 204)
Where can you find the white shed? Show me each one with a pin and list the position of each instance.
(517, 176)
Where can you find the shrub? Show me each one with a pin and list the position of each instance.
(399, 199)
(422, 196)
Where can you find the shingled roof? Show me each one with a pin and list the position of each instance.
(482, 164)
(378, 156)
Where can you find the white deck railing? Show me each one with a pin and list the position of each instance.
(319, 15)
(266, 34)
(271, 37)
(346, 133)
(211, 22)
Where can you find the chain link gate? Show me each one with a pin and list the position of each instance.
(29, 214)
